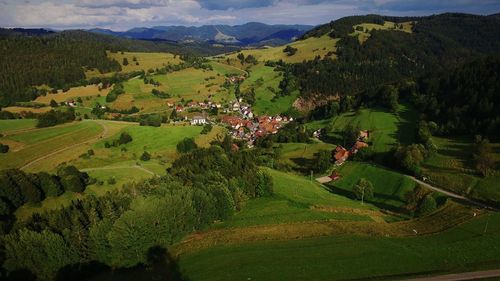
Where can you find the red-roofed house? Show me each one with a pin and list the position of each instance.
(340, 155)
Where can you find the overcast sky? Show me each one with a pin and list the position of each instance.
(125, 14)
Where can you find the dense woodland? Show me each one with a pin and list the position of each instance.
(121, 228)
(424, 59)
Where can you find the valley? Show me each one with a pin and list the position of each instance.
(213, 160)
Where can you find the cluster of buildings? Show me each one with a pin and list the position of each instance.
(249, 129)
(341, 154)
(195, 104)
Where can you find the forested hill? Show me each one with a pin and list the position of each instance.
(29, 58)
(436, 43)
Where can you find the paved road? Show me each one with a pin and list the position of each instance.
(462, 276)
(454, 195)
(101, 135)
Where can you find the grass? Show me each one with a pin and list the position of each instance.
(39, 142)
(385, 127)
(146, 60)
(306, 50)
(300, 156)
(340, 257)
(389, 187)
(262, 79)
(8, 126)
(295, 199)
(73, 93)
(21, 109)
(388, 25)
(452, 168)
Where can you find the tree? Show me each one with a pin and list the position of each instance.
(483, 157)
(350, 135)
(5, 209)
(125, 61)
(390, 97)
(4, 148)
(264, 185)
(125, 138)
(427, 206)
(53, 103)
(72, 183)
(289, 50)
(186, 145)
(363, 190)
(145, 156)
(322, 161)
(50, 185)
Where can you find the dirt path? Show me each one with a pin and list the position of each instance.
(120, 167)
(462, 276)
(96, 138)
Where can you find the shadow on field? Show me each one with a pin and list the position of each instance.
(380, 205)
(161, 267)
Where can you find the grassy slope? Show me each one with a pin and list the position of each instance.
(6, 126)
(38, 142)
(261, 78)
(463, 248)
(293, 201)
(452, 168)
(306, 50)
(73, 93)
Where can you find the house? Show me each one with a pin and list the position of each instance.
(236, 106)
(192, 104)
(334, 176)
(198, 120)
(340, 155)
(364, 135)
(357, 146)
(71, 103)
(179, 108)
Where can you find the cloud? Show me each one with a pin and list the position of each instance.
(234, 4)
(126, 14)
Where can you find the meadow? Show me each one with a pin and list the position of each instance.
(452, 168)
(300, 156)
(338, 257)
(297, 199)
(306, 50)
(262, 79)
(364, 34)
(73, 93)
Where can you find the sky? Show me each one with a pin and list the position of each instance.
(121, 15)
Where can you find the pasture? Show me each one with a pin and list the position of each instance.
(21, 109)
(297, 199)
(145, 61)
(32, 144)
(306, 50)
(364, 34)
(73, 93)
(265, 81)
(337, 257)
(300, 156)
(452, 168)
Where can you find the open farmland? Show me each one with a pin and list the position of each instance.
(339, 257)
(73, 93)
(362, 31)
(306, 50)
(265, 81)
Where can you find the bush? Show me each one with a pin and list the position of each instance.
(145, 156)
(125, 138)
(290, 51)
(4, 148)
(112, 181)
(186, 145)
(73, 183)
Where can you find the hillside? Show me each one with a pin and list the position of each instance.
(252, 33)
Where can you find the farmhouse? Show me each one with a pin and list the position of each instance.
(198, 120)
(340, 155)
(179, 108)
(357, 146)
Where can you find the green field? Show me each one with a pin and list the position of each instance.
(465, 247)
(452, 168)
(385, 127)
(306, 50)
(296, 199)
(6, 126)
(388, 25)
(261, 79)
(32, 144)
(389, 187)
(300, 156)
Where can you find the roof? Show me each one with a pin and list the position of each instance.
(198, 117)
(359, 145)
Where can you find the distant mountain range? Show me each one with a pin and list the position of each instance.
(253, 33)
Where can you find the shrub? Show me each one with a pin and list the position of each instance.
(73, 183)
(186, 145)
(145, 156)
(112, 181)
(4, 148)
(125, 138)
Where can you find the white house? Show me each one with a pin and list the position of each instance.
(198, 120)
